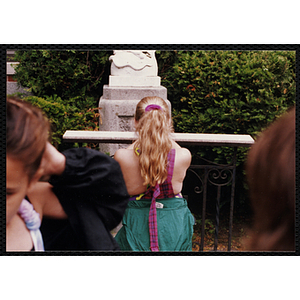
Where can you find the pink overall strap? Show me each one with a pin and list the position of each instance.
(171, 158)
(164, 190)
(153, 221)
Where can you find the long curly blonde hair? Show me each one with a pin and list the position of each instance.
(153, 127)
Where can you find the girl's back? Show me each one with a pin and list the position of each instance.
(129, 162)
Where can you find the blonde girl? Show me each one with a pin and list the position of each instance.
(154, 168)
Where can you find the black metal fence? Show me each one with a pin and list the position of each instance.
(195, 190)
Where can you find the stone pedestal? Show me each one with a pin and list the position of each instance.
(133, 77)
(120, 81)
(117, 107)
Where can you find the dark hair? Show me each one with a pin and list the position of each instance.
(27, 132)
(270, 172)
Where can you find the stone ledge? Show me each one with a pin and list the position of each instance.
(140, 81)
(10, 68)
(132, 93)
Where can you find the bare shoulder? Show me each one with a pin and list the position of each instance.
(184, 153)
(181, 150)
(122, 154)
(45, 201)
(183, 157)
(38, 194)
(118, 154)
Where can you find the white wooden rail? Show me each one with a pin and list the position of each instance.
(120, 137)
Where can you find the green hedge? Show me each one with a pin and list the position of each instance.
(230, 91)
(233, 92)
(64, 116)
(66, 85)
(67, 74)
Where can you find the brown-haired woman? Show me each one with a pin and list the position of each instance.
(270, 171)
(76, 176)
(154, 168)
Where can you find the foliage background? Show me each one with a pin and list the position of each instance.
(67, 74)
(66, 85)
(233, 92)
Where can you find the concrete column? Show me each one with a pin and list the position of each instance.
(134, 77)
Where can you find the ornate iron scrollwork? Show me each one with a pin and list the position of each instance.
(198, 189)
(220, 177)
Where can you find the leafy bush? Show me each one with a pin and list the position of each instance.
(77, 77)
(64, 116)
(229, 91)
(232, 92)
(67, 74)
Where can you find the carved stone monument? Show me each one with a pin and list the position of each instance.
(133, 77)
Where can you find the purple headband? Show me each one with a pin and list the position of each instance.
(152, 107)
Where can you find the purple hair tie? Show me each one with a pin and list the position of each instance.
(153, 107)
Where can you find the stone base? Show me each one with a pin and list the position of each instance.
(117, 108)
(132, 93)
(134, 81)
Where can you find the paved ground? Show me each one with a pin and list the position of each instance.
(239, 232)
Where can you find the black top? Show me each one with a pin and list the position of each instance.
(93, 194)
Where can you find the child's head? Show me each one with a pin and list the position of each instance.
(270, 172)
(146, 101)
(26, 137)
